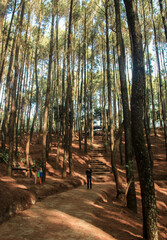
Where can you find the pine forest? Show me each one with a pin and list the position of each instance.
(83, 71)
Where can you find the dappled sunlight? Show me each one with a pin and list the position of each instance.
(52, 178)
(93, 204)
(52, 170)
(64, 225)
(78, 226)
(12, 182)
(161, 190)
(133, 235)
(161, 205)
(79, 213)
(8, 179)
(86, 230)
(159, 156)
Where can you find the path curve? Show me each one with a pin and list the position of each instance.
(66, 216)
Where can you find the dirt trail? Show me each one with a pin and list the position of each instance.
(85, 214)
(68, 215)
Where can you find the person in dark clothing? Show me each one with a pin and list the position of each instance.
(89, 177)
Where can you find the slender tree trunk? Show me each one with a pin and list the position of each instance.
(149, 70)
(131, 196)
(105, 133)
(21, 83)
(8, 82)
(149, 209)
(36, 73)
(120, 122)
(85, 82)
(7, 43)
(162, 100)
(80, 109)
(28, 140)
(146, 108)
(78, 86)
(13, 107)
(47, 101)
(71, 166)
(114, 91)
(63, 86)
(3, 8)
(68, 92)
(164, 17)
(91, 89)
(110, 121)
(57, 88)
(30, 133)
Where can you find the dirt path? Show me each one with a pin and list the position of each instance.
(68, 215)
(84, 214)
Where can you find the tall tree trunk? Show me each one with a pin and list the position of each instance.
(71, 166)
(36, 71)
(47, 101)
(8, 82)
(131, 196)
(110, 121)
(91, 88)
(28, 140)
(164, 17)
(149, 209)
(21, 84)
(80, 109)
(3, 8)
(7, 43)
(63, 86)
(30, 133)
(162, 99)
(114, 90)
(146, 108)
(57, 87)
(68, 92)
(79, 105)
(120, 122)
(13, 107)
(85, 82)
(105, 133)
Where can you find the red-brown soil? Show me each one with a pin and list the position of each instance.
(65, 209)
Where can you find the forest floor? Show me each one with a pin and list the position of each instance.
(65, 209)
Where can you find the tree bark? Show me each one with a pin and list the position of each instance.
(162, 99)
(85, 82)
(13, 107)
(7, 42)
(3, 8)
(164, 17)
(64, 173)
(8, 82)
(91, 88)
(131, 196)
(71, 165)
(149, 209)
(36, 72)
(105, 133)
(149, 70)
(57, 86)
(47, 101)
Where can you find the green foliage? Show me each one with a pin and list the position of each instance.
(23, 160)
(4, 156)
(97, 112)
(37, 165)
